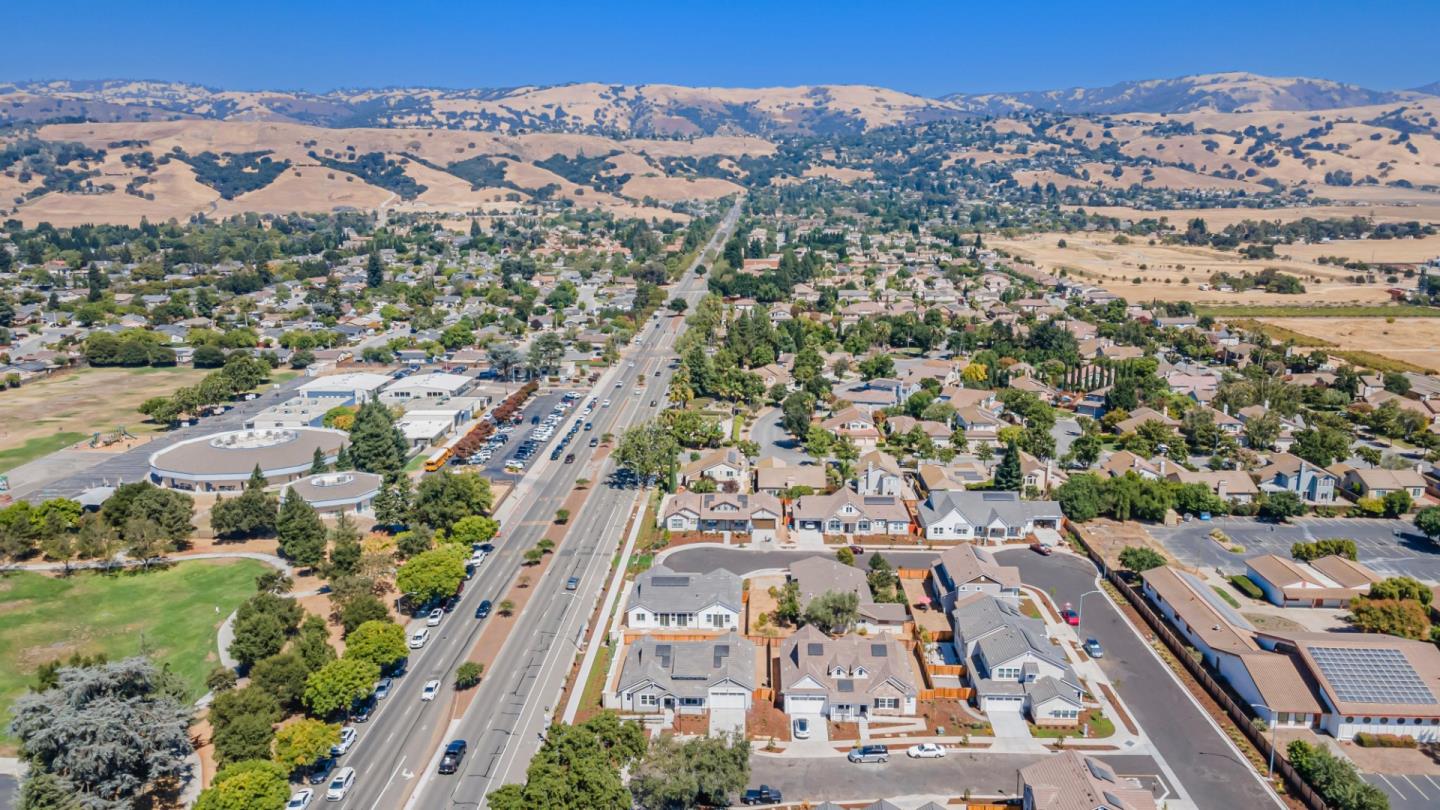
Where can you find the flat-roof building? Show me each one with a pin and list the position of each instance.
(435, 386)
(361, 386)
(223, 462)
(335, 493)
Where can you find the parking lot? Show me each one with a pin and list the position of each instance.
(1407, 791)
(540, 407)
(1390, 547)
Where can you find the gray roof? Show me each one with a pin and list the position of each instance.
(688, 668)
(1047, 688)
(984, 508)
(663, 590)
(820, 575)
(810, 652)
(977, 616)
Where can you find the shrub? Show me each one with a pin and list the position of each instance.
(1246, 586)
(468, 674)
(1366, 740)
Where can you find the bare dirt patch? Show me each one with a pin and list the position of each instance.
(1410, 339)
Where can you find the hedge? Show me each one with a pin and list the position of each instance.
(1246, 586)
(1367, 740)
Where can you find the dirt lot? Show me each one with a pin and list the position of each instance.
(1410, 339)
(1175, 272)
(50, 414)
(1218, 218)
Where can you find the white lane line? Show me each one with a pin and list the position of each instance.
(1422, 793)
(398, 767)
(1393, 789)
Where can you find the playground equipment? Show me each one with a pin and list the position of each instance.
(120, 434)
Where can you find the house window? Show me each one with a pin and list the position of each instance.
(834, 525)
(649, 700)
(682, 620)
(664, 619)
(717, 620)
(864, 526)
(639, 615)
(887, 703)
(691, 701)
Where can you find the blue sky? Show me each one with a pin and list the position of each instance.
(921, 47)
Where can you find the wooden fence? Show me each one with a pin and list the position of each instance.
(1297, 787)
(912, 573)
(947, 692)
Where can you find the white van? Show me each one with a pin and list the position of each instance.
(340, 785)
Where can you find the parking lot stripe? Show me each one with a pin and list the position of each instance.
(1417, 787)
(1393, 789)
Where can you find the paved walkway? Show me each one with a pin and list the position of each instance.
(121, 560)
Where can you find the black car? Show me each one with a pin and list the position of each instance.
(570, 458)
(321, 770)
(594, 442)
(486, 547)
(362, 710)
(761, 795)
(449, 604)
(483, 609)
(454, 752)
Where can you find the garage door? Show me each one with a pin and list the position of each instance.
(728, 700)
(1004, 703)
(804, 705)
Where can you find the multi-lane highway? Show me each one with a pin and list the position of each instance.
(397, 751)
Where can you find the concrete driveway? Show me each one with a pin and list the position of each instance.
(725, 721)
(1008, 723)
(1380, 547)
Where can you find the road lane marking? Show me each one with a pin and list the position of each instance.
(387, 783)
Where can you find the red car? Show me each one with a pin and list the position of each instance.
(1042, 549)
(1071, 617)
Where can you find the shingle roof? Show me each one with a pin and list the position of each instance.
(811, 653)
(663, 590)
(689, 668)
(1072, 781)
(984, 508)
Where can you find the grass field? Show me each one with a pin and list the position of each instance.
(47, 415)
(1317, 311)
(171, 613)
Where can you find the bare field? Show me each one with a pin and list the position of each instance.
(1175, 272)
(1414, 340)
(1217, 218)
(82, 402)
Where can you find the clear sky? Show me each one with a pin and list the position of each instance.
(930, 48)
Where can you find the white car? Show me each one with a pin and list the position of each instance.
(347, 739)
(605, 404)
(340, 785)
(925, 751)
(435, 617)
(300, 800)
(432, 688)
(477, 558)
(419, 637)
(800, 729)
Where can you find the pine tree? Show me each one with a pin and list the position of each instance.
(317, 463)
(342, 459)
(345, 551)
(1007, 475)
(302, 534)
(374, 270)
(376, 445)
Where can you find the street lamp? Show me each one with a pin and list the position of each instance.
(1080, 606)
(1270, 769)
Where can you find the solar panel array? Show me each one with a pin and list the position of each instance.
(1361, 675)
(670, 581)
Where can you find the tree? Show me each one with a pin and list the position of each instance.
(376, 445)
(796, 411)
(1280, 506)
(382, 643)
(1081, 497)
(1397, 502)
(833, 611)
(1406, 618)
(115, 708)
(345, 550)
(282, 675)
(169, 511)
(1085, 450)
(249, 785)
(337, 685)
(432, 575)
(1402, 588)
(699, 772)
(253, 513)
(47, 791)
(360, 609)
(304, 742)
(318, 465)
(394, 503)
(474, 529)
(1314, 550)
(1007, 475)
(445, 498)
(262, 625)
(577, 768)
(647, 451)
(844, 556)
(546, 352)
(1262, 431)
(302, 534)
(1141, 558)
(245, 737)
(1427, 520)
(374, 271)
(1335, 779)
(467, 675)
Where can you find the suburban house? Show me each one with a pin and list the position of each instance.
(774, 477)
(1012, 664)
(856, 424)
(987, 517)
(967, 569)
(686, 677)
(1374, 482)
(1234, 486)
(1124, 461)
(846, 679)
(847, 512)
(1073, 781)
(878, 473)
(722, 512)
(727, 467)
(980, 426)
(664, 599)
(815, 576)
(1287, 473)
(1329, 582)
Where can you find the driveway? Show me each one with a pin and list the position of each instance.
(724, 721)
(1211, 771)
(1380, 547)
(774, 440)
(1008, 723)
(837, 779)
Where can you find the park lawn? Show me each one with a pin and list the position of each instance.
(36, 447)
(171, 612)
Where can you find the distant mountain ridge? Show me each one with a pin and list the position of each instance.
(663, 110)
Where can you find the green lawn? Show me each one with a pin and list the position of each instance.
(13, 457)
(1224, 594)
(171, 612)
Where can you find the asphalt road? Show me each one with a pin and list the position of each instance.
(1407, 553)
(9, 792)
(983, 774)
(1211, 772)
(774, 440)
(396, 753)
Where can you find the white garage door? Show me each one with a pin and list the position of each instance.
(733, 699)
(804, 705)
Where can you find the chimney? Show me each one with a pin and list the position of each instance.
(1163, 462)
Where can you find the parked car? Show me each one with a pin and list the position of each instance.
(347, 739)
(382, 689)
(800, 728)
(300, 800)
(761, 795)
(322, 769)
(482, 610)
(432, 688)
(857, 550)
(1093, 648)
(1071, 617)
(418, 639)
(454, 753)
(869, 753)
(433, 620)
(925, 751)
(1042, 549)
(362, 709)
(340, 785)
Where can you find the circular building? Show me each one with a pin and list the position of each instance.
(222, 462)
(335, 493)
